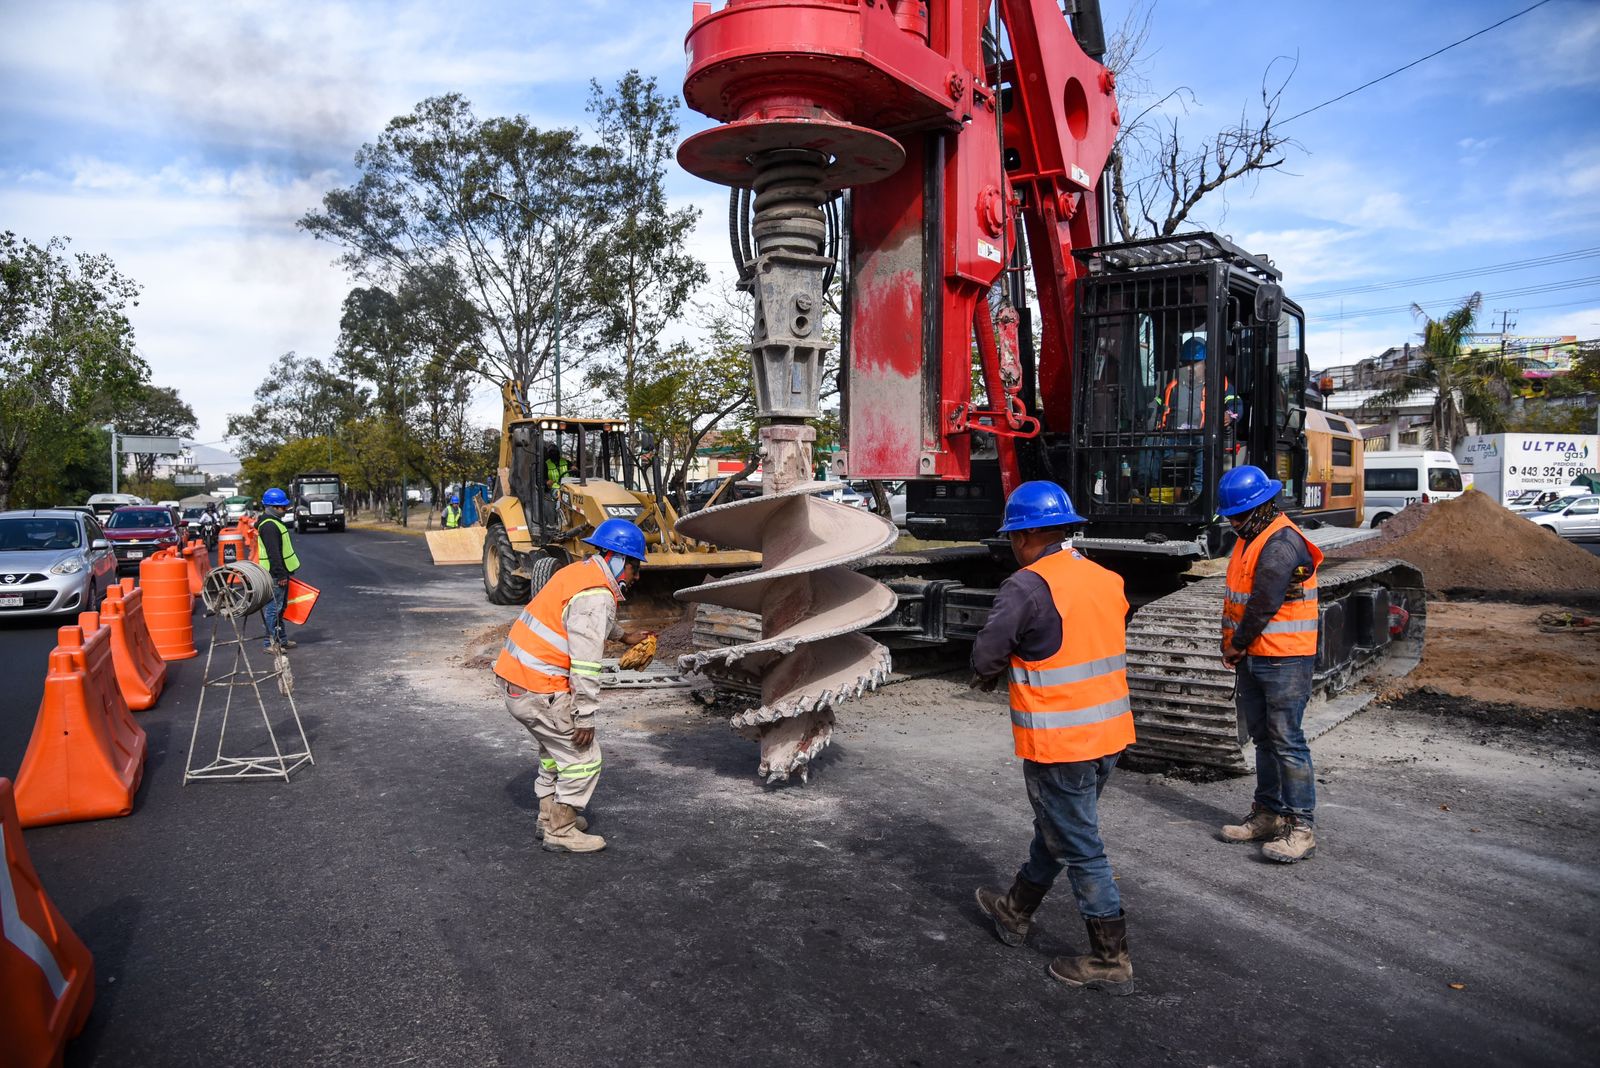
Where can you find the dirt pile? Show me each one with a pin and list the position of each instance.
(1498, 653)
(1473, 543)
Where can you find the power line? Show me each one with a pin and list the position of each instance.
(1413, 63)
(1448, 276)
(1526, 291)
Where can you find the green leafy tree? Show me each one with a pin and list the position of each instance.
(300, 397)
(640, 275)
(1467, 386)
(66, 348)
(509, 213)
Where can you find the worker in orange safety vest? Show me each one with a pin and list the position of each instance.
(1269, 636)
(549, 671)
(1058, 632)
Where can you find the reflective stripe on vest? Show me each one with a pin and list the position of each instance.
(1228, 396)
(290, 559)
(1292, 630)
(536, 655)
(1073, 705)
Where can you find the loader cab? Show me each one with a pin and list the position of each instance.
(554, 459)
(1190, 362)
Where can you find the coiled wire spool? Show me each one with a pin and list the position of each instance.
(237, 590)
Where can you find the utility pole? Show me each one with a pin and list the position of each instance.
(116, 465)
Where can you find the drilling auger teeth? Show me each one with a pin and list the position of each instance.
(810, 657)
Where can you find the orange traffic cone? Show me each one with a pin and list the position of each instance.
(46, 972)
(141, 673)
(86, 757)
(230, 546)
(168, 604)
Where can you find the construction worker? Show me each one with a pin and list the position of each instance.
(555, 467)
(275, 552)
(452, 512)
(1269, 636)
(1182, 405)
(549, 671)
(1057, 630)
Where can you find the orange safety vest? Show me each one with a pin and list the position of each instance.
(1166, 401)
(1073, 704)
(1293, 630)
(535, 656)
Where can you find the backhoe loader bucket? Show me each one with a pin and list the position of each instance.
(463, 545)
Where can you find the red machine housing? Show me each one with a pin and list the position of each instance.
(901, 98)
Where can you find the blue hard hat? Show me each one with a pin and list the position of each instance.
(1244, 488)
(1194, 350)
(275, 498)
(1039, 504)
(619, 536)
(455, 498)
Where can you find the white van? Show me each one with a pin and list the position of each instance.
(1396, 479)
(106, 503)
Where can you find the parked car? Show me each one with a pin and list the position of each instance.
(845, 494)
(1555, 500)
(53, 560)
(1576, 518)
(701, 492)
(1523, 500)
(140, 531)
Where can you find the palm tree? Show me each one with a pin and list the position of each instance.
(1469, 386)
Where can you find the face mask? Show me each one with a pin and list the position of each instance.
(615, 565)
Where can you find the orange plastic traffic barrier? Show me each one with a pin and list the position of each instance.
(199, 565)
(86, 757)
(230, 546)
(46, 972)
(302, 598)
(141, 673)
(168, 604)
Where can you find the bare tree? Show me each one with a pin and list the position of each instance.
(1158, 179)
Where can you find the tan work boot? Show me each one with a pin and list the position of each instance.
(1012, 912)
(1294, 842)
(563, 836)
(1262, 824)
(545, 804)
(1107, 968)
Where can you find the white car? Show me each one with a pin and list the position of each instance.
(1575, 517)
(844, 495)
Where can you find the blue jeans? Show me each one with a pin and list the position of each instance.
(1066, 831)
(272, 615)
(1271, 696)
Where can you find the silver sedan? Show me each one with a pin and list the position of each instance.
(1578, 517)
(53, 561)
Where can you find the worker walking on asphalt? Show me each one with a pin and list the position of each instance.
(1269, 636)
(452, 512)
(275, 552)
(1058, 630)
(549, 671)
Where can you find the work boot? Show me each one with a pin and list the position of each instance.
(545, 805)
(563, 836)
(1294, 842)
(1107, 968)
(1260, 825)
(1012, 912)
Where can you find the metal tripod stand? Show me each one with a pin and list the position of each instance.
(234, 593)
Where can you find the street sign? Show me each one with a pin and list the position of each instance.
(151, 443)
(188, 478)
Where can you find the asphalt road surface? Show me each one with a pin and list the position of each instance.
(390, 905)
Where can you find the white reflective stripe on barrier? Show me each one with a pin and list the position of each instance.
(528, 660)
(1061, 676)
(19, 934)
(1080, 717)
(544, 632)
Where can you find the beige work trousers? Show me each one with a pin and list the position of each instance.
(568, 772)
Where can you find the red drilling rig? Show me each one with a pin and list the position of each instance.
(938, 155)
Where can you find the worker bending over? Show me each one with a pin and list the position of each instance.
(549, 671)
(1058, 629)
(1269, 636)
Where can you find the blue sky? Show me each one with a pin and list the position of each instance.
(185, 139)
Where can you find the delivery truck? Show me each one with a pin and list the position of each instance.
(1505, 465)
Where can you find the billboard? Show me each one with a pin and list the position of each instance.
(1503, 465)
(151, 443)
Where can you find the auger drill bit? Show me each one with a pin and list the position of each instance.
(809, 657)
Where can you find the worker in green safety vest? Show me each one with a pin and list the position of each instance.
(275, 552)
(555, 468)
(452, 513)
